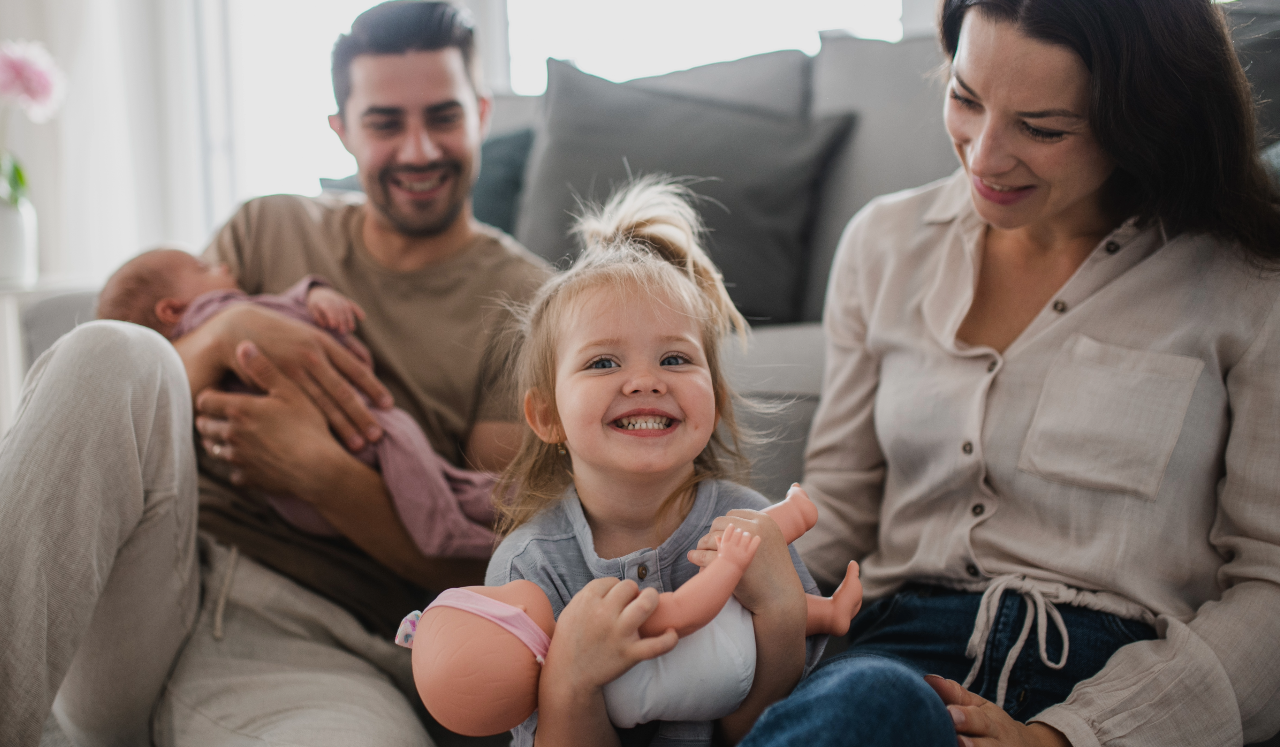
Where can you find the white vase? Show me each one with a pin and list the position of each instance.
(19, 261)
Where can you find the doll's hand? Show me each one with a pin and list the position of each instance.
(598, 635)
(333, 311)
(770, 579)
(737, 547)
(979, 721)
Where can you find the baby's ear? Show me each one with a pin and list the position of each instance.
(541, 416)
(170, 310)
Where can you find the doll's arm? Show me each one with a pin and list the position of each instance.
(701, 598)
(794, 514)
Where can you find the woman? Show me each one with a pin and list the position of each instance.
(1050, 421)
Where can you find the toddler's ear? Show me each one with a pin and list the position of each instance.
(541, 416)
(170, 310)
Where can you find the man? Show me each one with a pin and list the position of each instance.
(293, 638)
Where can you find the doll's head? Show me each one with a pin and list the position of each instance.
(479, 656)
(155, 288)
(643, 309)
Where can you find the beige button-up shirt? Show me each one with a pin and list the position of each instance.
(1122, 454)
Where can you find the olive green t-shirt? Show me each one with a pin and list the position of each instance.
(433, 334)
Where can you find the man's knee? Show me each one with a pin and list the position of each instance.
(119, 350)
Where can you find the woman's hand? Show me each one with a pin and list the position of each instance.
(981, 723)
(597, 640)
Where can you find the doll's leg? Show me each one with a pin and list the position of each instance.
(98, 506)
(794, 514)
(832, 616)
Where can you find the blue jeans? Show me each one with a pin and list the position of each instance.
(875, 694)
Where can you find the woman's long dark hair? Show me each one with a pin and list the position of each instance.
(1169, 104)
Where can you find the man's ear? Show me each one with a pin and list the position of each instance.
(540, 416)
(170, 310)
(484, 106)
(339, 128)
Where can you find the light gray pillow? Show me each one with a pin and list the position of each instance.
(761, 174)
(775, 82)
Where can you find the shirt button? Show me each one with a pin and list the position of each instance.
(972, 570)
(1060, 307)
(1112, 247)
(967, 447)
(979, 509)
(642, 571)
(992, 366)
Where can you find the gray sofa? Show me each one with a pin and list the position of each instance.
(869, 114)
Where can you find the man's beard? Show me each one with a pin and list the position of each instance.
(428, 222)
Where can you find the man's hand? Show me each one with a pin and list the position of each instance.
(273, 441)
(323, 369)
(981, 723)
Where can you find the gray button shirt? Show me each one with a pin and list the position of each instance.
(556, 551)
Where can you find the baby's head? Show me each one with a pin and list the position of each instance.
(620, 356)
(155, 288)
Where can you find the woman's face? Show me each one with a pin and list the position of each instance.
(1017, 110)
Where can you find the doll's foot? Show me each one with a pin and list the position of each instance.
(794, 514)
(832, 616)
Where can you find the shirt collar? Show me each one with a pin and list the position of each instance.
(672, 550)
(952, 200)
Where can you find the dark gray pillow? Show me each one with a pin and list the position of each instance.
(760, 174)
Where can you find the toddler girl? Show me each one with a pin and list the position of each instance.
(625, 467)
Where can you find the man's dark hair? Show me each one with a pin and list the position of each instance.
(401, 26)
(1169, 104)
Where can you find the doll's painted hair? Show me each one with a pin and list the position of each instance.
(645, 241)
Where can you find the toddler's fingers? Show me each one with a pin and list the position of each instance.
(600, 587)
(621, 594)
(638, 608)
(709, 541)
(701, 558)
(650, 648)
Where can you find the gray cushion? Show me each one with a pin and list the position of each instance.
(43, 322)
(496, 193)
(901, 142)
(775, 82)
(763, 171)
(1255, 28)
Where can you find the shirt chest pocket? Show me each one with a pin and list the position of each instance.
(1109, 417)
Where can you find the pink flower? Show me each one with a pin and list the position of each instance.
(30, 78)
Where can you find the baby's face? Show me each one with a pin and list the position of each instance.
(193, 277)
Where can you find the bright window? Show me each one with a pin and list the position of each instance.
(280, 94)
(624, 39)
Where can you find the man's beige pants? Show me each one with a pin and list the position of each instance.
(101, 575)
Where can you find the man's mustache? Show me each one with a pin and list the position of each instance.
(451, 165)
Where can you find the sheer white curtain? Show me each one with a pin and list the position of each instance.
(121, 167)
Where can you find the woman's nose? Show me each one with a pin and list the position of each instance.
(988, 152)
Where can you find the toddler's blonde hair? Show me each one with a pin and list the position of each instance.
(645, 240)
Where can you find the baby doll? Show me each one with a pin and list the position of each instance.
(624, 468)
(478, 651)
(446, 510)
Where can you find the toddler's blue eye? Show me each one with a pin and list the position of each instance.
(674, 360)
(603, 363)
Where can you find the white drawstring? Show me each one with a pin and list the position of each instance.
(225, 592)
(1037, 609)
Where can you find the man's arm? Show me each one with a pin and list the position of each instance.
(280, 442)
(493, 444)
(321, 367)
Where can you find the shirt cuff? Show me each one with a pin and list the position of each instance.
(1070, 724)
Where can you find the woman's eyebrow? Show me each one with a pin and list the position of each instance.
(1041, 114)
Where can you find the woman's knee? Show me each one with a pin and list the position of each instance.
(858, 700)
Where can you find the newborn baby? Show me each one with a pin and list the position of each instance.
(446, 510)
